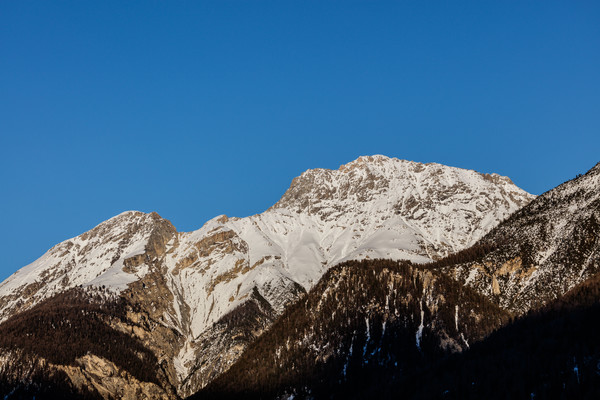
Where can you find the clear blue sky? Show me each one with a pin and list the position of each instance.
(194, 109)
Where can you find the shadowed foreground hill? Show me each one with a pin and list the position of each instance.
(339, 343)
(364, 323)
(541, 251)
(552, 353)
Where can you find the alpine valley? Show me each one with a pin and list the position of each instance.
(383, 279)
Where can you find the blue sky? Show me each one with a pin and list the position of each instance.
(194, 109)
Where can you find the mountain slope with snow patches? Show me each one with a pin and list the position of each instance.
(543, 250)
(363, 320)
(96, 257)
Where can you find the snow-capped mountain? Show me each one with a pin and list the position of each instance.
(378, 317)
(186, 284)
(96, 257)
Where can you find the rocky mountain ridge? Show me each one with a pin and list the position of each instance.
(543, 250)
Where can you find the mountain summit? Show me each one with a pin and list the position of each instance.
(450, 208)
(191, 287)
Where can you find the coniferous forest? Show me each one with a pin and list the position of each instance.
(551, 353)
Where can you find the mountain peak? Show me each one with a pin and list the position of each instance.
(383, 179)
(369, 160)
(93, 258)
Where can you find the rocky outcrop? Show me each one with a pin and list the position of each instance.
(89, 377)
(111, 382)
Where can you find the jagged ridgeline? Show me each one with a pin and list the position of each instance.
(364, 325)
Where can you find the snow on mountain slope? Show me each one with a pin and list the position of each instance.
(544, 249)
(448, 208)
(373, 207)
(94, 258)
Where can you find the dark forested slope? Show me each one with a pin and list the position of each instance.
(364, 323)
(58, 346)
(339, 342)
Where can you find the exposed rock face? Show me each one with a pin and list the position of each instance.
(447, 208)
(545, 249)
(185, 288)
(92, 375)
(110, 381)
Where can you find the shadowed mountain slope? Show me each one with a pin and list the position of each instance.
(362, 321)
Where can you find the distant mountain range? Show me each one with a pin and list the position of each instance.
(363, 280)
